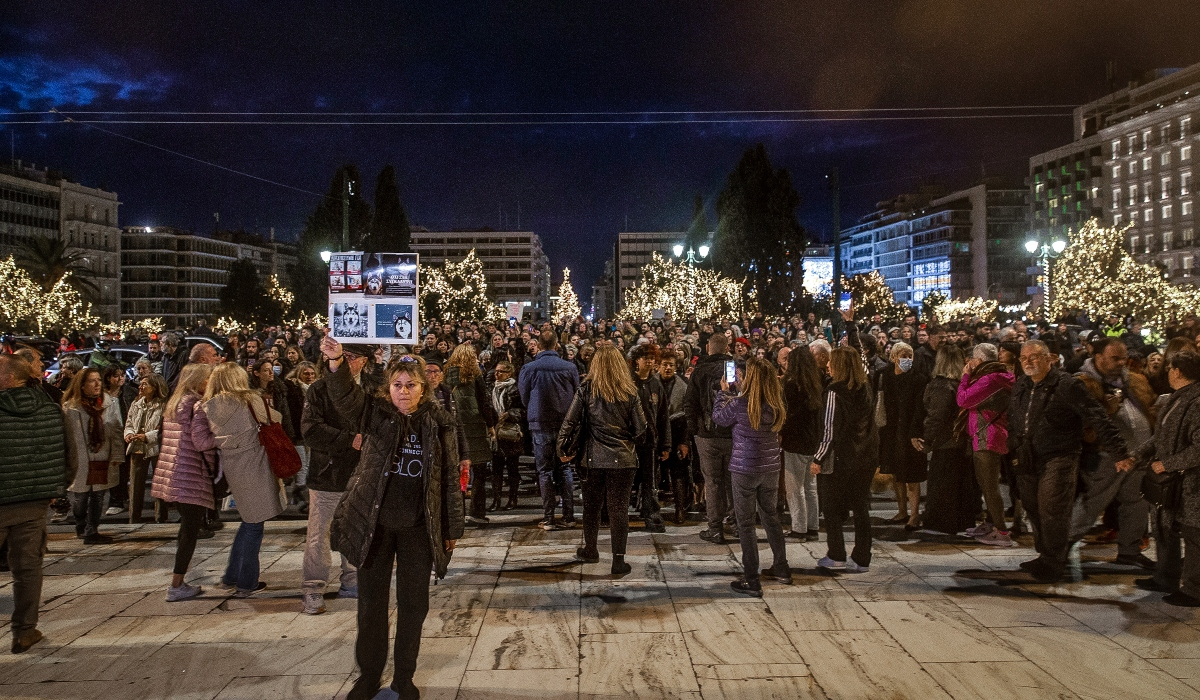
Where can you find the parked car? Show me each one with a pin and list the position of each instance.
(123, 356)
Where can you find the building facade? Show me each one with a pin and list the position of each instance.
(1130, 164)
(514, 265)
(961, 244)
(632, 251)
(43, 203)
(177, 275)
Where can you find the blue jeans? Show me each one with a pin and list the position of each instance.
(554, 477)
(242, 570)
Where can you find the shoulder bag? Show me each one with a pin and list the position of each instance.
(281, 454)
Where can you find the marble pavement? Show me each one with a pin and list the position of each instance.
(516, 618)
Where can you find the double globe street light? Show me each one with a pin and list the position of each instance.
(1045, 252)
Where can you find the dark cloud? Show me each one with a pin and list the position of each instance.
(576, 185)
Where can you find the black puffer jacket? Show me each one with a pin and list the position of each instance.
(357, 514)
(328, 435)
(1046, 420)
(612, 431)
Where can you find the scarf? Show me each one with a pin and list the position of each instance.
(95, 411)
(498, 395)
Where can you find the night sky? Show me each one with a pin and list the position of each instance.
(576, 184)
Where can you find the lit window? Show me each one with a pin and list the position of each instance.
(1166, 188)
(1146, 191)
(1166, 243)
(1185, 125)
(1165, 158)
(1146, 164)
(1116, 147)
(1185, 153)
(1149, 242)
(1187, 236)
(1164, 133)
(1116, 171)
(1133, 192)
(1185, 184)
(1129, 145)
(1166, 211)
(1185, 208)
(1145, 139)
(1133, 243)
(1116, 195)
(1148, 216)
(1187, 266)
(1132, 168)
(1117, 221)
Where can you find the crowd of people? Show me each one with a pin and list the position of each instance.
(982, 430)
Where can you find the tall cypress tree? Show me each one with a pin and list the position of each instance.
(697, 233)
(323, 231)
(390, 230)
(758, 237)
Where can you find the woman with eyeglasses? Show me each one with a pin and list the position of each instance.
(401, 512)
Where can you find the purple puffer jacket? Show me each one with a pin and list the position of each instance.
(972, 394)
(182, 476)
(754, 451)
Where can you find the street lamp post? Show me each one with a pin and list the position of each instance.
(1045, 252)
(691, 260)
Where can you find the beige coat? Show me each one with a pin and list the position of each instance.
(145, 418)
(75, 421)
(255, 489)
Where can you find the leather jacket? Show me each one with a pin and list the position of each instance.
(611, 432)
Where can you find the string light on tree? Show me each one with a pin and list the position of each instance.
(567, 309)
(1097, 275)
(125, 327)
(281, 294)
(26, 308)
(872, 295)
(969, 308)
(458, 290)
(681, 289)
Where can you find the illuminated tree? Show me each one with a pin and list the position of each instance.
(567, 309)
(972, 307)
(456, 291)
(282, 296)
(681, 289)
(26, 308)
(872, 295)
(1097, 275)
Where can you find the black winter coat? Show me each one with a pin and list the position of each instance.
(328, 435)
(357, 514)
(610, 432)
(941, 410)
(1046, 420)
(854, 445)
(655, 409)
(702, 390)
(801, 431)
(1176, 443)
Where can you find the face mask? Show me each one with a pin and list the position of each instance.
(905, 364)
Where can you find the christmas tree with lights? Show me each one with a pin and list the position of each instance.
(567, 308)
(1097, 275)
(26, 308)
(872, 295)
(456, 291)
(681, 289)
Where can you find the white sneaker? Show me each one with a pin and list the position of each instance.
(852, 567)
(979, 530)
(183, 592)
(996, 538)
(827, 563)
(314, 603)
(114, 510)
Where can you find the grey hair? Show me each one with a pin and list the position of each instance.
(1006, 333)
(820, 345)
(71, 362)
(985, 352)
(171, 339)
(143, 361)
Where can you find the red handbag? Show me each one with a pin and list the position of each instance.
(281, 453)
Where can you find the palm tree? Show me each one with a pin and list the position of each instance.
(48, 260)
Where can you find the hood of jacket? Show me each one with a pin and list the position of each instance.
(22, 401)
